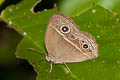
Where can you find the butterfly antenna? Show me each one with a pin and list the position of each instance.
(35, 50)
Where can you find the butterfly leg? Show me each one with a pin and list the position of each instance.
(67, 68)
(70, 71)
(50, 67)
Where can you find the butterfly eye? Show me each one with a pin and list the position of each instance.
(85, 46)
(65, 29)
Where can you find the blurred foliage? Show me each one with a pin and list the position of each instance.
(8, 43)
(109, 4)
(103, 24)
(1, 1)
(73, 8)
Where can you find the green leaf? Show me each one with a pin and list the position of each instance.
(113, 5)
(26, 22)
(99, 22)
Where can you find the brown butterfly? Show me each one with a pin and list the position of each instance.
(65, 43)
